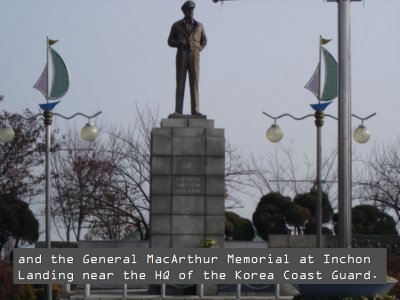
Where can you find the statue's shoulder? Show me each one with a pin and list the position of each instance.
(199, 24)
(178, 23)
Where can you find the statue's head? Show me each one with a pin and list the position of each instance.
(188, 5)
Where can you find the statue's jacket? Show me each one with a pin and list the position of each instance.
(196, 38)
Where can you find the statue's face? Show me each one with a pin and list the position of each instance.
(188, 12)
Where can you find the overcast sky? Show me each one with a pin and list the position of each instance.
(259, 56)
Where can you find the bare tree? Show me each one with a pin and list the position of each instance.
(79, 177)
(237, 171)
(19, 158)
(106, 188)
(278, 172)
(132, 147)
(379, 183)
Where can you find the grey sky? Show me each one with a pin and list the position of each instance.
(259, 56)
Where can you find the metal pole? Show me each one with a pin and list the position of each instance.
(125, 291)
(277, 291)
(201, 291)
(319, 122)
(87, 290)
(163, 290)
(47, 118)
(344, 125)
(238, 291)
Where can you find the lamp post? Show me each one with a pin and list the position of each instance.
(88, 133)
(344, 121)
(275, 134)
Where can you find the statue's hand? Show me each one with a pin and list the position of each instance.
(185, 45)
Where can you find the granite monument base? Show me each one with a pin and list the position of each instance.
(187, 183)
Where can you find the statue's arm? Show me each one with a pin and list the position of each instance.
(173, 40)
(203, 40)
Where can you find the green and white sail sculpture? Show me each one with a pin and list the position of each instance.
(55, 75)
(330, 89)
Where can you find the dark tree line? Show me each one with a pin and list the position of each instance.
(276, 214)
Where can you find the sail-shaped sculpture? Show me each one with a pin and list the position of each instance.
(330, 89)
(59, 78)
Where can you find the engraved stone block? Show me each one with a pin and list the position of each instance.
(183, 224)
(190, 205)
(188, 185)
(186, 165)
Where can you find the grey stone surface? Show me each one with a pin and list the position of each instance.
(160, 241)
(188, 131)
(188, 165)
(161, 224)
(160, 185)
(161, 165)
(215, 146)
(188, 205)
(189, 146)
(160, 204)
(184, 224)
(202, 123)
(188, 185)
(215, 205)
(166, 132)
(161, 145)
(173, 123)
(215, 185)
(187, 241)
(215, 166)
(216, 132)
(215, 225)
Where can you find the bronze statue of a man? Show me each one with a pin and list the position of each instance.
(189, 37)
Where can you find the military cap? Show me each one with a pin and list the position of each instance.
(188, 4)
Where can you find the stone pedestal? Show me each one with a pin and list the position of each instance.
(187, 183)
